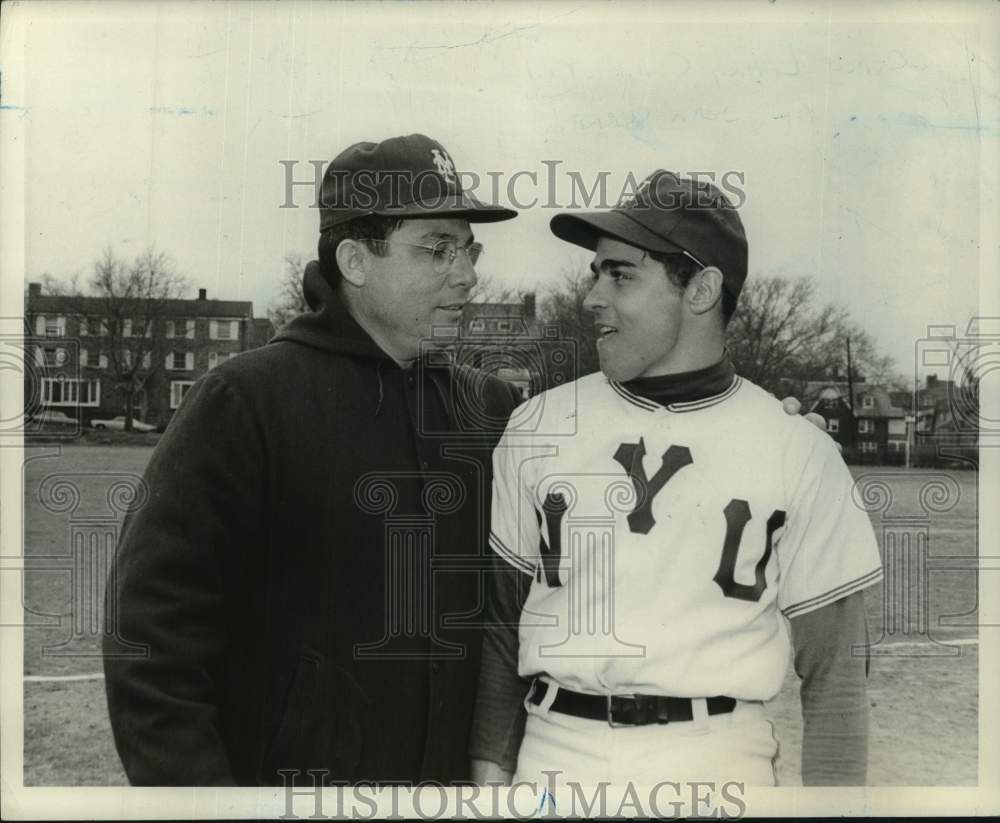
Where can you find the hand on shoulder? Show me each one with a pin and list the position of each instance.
(791, 405)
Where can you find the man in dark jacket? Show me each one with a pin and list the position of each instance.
(306, 573)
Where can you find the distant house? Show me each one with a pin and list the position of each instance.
(832, 404)
(881, 425)
(874, 431)
(71, 357)
(508, 340)
(945, 406)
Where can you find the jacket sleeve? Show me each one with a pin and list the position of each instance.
(831, 658)
(169, 583)
(499, 717)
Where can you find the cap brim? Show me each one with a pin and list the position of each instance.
(462, 205)
(586, 229)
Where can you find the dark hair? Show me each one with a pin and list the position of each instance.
(366, 229)
(681, 269)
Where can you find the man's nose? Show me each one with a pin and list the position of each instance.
(595, 299)
(463, 273)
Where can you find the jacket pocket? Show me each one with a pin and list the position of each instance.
(320, 727)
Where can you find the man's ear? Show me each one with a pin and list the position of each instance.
(352, 260)
(705, 290)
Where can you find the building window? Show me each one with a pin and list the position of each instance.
(146, 360)
(866, 426)
(897, 427)
(179, 388)
(70, 392)
(477, 325)
(84, 327)
(503, 325)
(127, 327)
(867, 446)
(52, 356)
(867, 402)
(55, 326)
(84, 357)
(180, 361)
(215, 358)
(896, 445)
(180, 328)
(833, 425)
(223, 329)
(102, 361)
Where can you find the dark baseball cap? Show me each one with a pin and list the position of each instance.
(670, 215)
(405, 177)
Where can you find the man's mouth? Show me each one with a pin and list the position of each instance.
(604, 331)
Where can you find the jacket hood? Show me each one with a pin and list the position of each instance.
(328, 325)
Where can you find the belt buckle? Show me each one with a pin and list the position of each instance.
(615, 724)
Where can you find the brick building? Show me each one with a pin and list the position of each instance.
(78, 355)
(508, 340)
(874, 431)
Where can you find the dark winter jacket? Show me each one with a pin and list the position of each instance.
(299, 590)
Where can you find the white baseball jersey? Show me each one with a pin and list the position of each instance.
(665, 543)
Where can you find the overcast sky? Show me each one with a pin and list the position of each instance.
(862, 137)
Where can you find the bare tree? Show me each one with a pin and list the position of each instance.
(291, 300)
(52, 285)
(780, 339)
(562, 306)
(489, 289)
(776, 335)
(124, 310)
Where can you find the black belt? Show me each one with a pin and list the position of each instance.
(626, 709)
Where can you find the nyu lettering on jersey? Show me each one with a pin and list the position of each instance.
(665, 544)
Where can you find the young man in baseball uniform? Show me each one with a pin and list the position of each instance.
(666, 535)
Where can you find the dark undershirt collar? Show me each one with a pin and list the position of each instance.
(685, 387)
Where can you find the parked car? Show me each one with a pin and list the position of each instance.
(52, 418)
(118, 424)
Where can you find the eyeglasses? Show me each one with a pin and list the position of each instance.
(443, 253)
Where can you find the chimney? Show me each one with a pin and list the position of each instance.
(202, 294)
(34, 290)
(932, 380)
(529, 305)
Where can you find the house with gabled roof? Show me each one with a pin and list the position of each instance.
(873, 431)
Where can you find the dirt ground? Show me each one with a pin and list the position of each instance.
(924, 679)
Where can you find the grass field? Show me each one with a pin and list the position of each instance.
(924, 679)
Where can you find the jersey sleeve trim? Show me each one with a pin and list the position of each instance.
(813, 603)
(511, 557)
